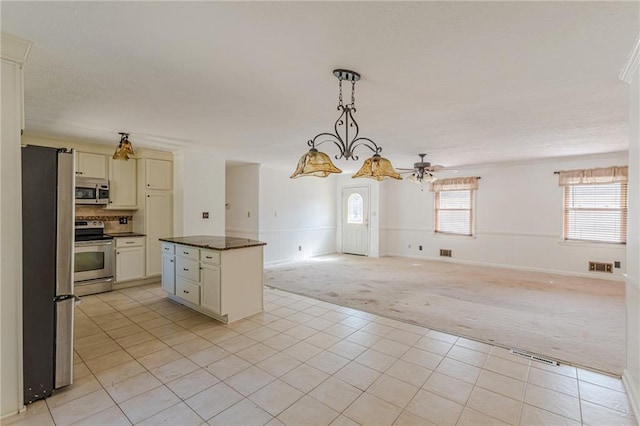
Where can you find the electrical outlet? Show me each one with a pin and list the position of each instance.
(124, 221)
(409, 246)
(248, 214)
(299, 248)
(420, 248)
(205, 215)
(616, 264)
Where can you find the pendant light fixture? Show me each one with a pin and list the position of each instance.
(124, 149)
(316, 163)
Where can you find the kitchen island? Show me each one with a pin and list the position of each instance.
(221, 277)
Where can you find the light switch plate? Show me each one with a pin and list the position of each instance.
(205, 215)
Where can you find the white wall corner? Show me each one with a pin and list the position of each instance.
(631, 66)
(15, 49)
(633, 393)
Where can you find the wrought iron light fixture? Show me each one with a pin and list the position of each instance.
(124, 149)
(316, 163)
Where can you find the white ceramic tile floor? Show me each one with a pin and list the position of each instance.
(143, 359)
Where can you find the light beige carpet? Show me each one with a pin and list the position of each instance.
(580, 321)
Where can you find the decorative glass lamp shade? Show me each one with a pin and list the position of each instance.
(124, 149)
(377, 168)
(315, 163)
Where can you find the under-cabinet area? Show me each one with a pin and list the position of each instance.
(221, 277)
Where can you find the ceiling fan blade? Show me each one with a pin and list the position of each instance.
(400, 168)
(439, 168)
(406, 171)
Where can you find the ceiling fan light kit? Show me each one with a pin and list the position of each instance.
(124, 148)
(316, 163)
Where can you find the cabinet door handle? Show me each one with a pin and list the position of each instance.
(171, 261)
(209, 257)
(129, 242)
(117, 252)
(185, 252)
(185, 291)
(185, 269)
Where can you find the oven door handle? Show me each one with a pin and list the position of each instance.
(93, 243)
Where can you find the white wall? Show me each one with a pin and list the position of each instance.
(14, 52)
(201, 189)
(296, 212)
(518, 219)
(243, 200)
(631, 375)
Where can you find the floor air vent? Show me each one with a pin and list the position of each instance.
(534, 357)
(601, 267)
(445, 253)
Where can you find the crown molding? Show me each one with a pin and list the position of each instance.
(632, 64)
(15, 49)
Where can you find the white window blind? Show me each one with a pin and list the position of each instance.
(454, 205)
(454, 212)
(596, 212)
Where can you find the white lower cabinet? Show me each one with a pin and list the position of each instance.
(130, 258)
(226, 285)
(169, 274)
(211, 288)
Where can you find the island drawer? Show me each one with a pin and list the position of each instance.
(210, 256)
(168, 249)
(186, 251)
(188, 268)
(188, 291)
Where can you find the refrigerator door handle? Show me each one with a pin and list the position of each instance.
(64, 342)
(65, 213)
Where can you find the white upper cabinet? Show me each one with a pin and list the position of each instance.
(91, 165)
(122, 185)
(158, 174)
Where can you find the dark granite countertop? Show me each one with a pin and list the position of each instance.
(214, 242)
(124, 234)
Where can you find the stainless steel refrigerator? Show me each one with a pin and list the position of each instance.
(47, 256)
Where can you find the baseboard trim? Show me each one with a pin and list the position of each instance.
(517, 268)
(135, 283)
(632, 392)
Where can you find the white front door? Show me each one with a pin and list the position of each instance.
(355, 220)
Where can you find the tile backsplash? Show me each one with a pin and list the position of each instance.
(111, 218)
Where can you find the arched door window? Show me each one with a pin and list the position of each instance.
(354, 214)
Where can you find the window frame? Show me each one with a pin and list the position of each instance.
(471, 209)
(622, 208)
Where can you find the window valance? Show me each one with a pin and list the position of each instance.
(453, 184)
(590, 176)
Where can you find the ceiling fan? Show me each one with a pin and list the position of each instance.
(423, 171)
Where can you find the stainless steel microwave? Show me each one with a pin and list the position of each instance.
(92, 191)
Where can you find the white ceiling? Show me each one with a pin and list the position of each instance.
(467, 82)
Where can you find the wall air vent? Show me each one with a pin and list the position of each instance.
(445, 253)
(601, 267)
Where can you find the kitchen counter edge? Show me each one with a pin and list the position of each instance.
(214, 242)
(124, 234)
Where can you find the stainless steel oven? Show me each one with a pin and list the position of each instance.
(93, 259)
